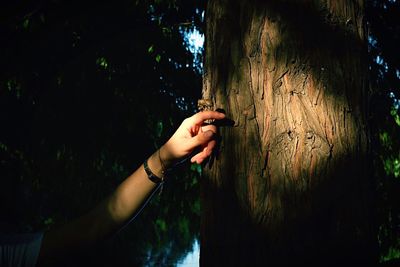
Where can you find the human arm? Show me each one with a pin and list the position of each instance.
(130, 196)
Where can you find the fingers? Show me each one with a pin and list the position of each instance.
(203, 135)
(200, 139)
(204, 153)
(200, 117)
(209, 127)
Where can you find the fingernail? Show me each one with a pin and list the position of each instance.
(208, 134)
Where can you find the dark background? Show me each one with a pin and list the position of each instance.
(89, 89)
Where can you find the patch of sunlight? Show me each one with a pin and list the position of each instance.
(379, 60)
(192, 259)
(193, 40)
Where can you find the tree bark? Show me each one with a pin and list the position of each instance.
(291, 180)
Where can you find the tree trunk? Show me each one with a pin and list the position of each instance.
(290, 183)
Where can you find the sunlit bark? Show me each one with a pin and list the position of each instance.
(291, 181)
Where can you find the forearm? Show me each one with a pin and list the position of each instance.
(131, 195)
(106, 218)
(122, 205)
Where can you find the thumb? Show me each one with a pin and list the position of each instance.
(202, 138)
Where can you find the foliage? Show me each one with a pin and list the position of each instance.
(87, 91)
(384, 40)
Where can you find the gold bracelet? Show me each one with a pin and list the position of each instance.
(161, 162)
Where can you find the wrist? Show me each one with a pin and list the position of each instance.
(166, 157)
(160, 161)
(155, 166)
(154, 174)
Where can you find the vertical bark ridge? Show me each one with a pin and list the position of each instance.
(291, 75)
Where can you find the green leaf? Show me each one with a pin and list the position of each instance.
(161, 224)
(3, 147)
(49, 221)
(196, 168)
(150, 49)
(385, 139)
(102, 62)
(392, 254)
(395, 115)
(159, 128)
(196, 207)
(25, 24)
(158, 58)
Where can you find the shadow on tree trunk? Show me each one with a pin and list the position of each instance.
(293, 181)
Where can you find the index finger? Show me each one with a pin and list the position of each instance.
(201, 116)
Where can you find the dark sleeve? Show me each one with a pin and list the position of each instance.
(20, 249)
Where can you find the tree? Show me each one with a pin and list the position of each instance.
(292, 181)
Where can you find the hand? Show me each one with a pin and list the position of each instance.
(190, 135)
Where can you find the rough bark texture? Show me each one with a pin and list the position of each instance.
(290, 182)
